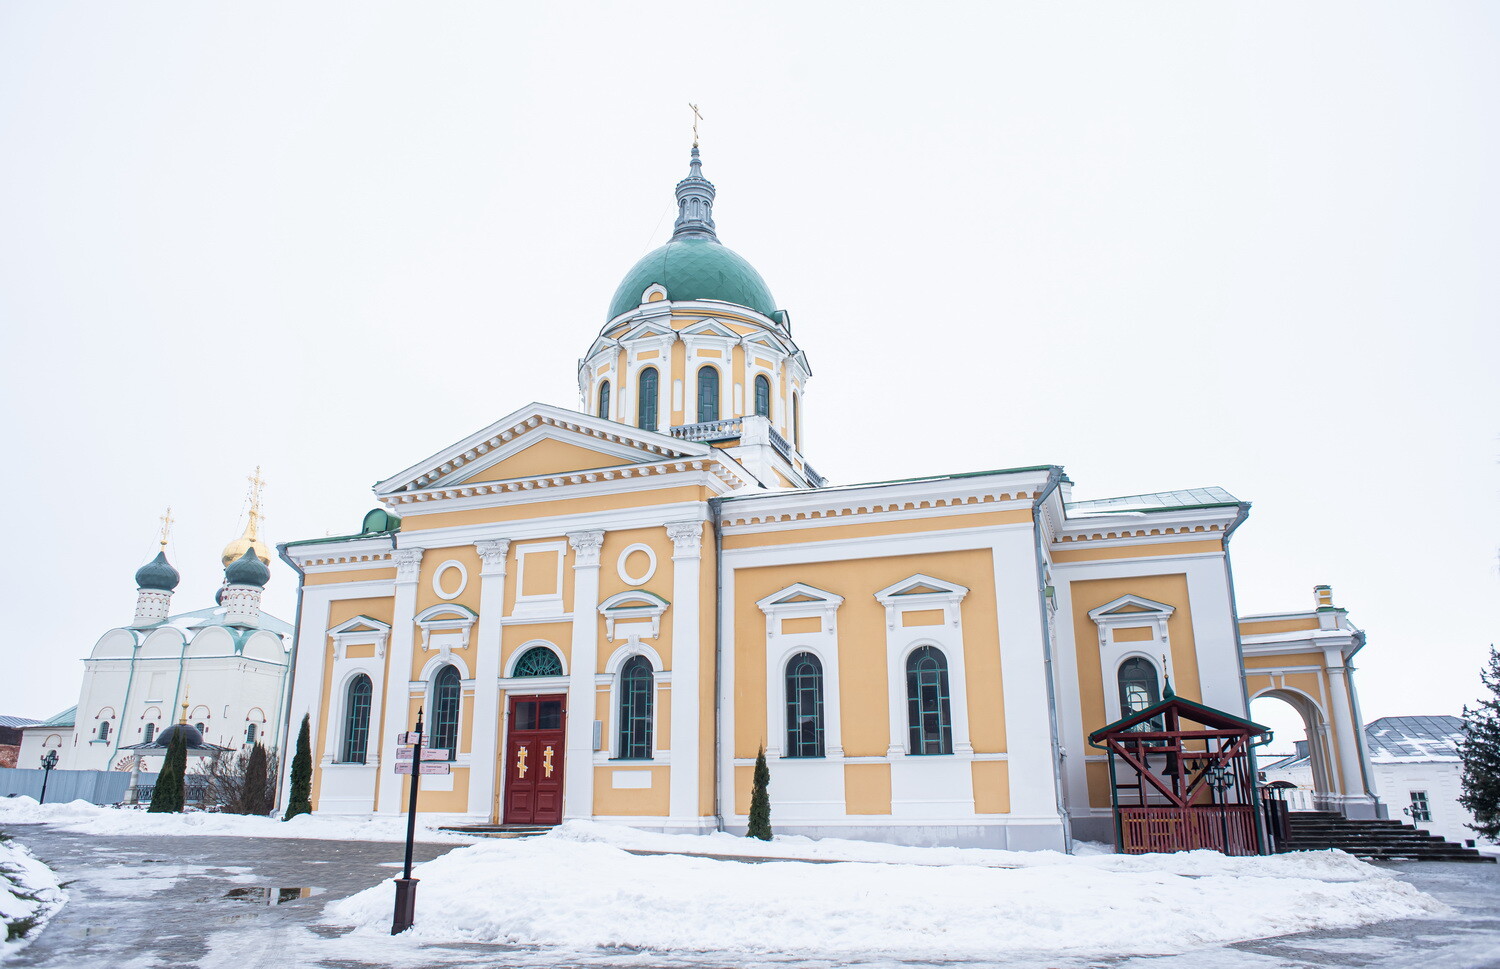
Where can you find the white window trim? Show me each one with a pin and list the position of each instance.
(1112, 655)
(902, 641)
(333, 742)
(522, 650)
(659, 678)
(781, 647)
(633, 622)
(360, 631)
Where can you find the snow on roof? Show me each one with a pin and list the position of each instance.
(1285, 762)
(17, 721)
(214, 616)
(1156, 501)
(1397, 739)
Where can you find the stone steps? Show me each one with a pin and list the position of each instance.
(1372, 840)
(498, 830)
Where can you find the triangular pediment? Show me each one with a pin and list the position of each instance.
(560, 441)
(922, 585)
(797, 596)
(1131, 606)
(360, 626)
(711, 327)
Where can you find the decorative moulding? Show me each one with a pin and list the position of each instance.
(448, 622)
(634, 614)
(921, 592)
(359, 631)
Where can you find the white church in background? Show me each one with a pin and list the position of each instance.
(228, 662)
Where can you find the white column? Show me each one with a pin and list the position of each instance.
(1345, 729)
(482, 778)
(578, 786)
(1023, 673)
(307, 689)
(398, 683)
(687, 558)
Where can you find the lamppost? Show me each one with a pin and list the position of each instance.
(1221, 779)
(49, 761)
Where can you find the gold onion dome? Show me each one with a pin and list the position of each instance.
(247, 542)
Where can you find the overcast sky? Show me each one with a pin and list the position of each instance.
(1163, 245)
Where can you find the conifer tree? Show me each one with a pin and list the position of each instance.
(760, 800)
(1480, 750)
(299, 799)
(171, 789)
(257, 787)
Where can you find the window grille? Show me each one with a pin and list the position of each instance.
(762, 396)
(150, 732)
(645, 408)
(538, 661)
(356, 721)
(708, 394)
(250, 734)
(636, 685)
(804, 706)
(928, 712)
(447, 690)
(1421, 808)
(1139, 690)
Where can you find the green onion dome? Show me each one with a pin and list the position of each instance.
(694, 264)
(247, 570)
(157, 574)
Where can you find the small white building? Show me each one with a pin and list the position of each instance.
(1417, 768)
(223, 668)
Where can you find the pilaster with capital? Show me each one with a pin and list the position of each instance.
(578, 786)
(687, 664)
(493, 553)
(404, 611)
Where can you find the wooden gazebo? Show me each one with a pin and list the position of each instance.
(1181, 777)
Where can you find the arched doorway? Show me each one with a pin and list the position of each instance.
(1302, 735)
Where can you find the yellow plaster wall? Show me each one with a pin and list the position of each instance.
(991, 787)
(852, 526)
(533, 560)
(1266, 627)
(660, 583)
(341, 611)
(867, 789)
(547, 456)
(661, 731)
(649, 493)
(1068, 554)
(380, 574)
(648, 802)
(862, 645)
(1170, 589)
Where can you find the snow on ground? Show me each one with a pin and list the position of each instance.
(81, 816)
(29, 896)
(576, 891)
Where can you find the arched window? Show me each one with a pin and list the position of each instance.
(604, 400)
(708, 394)
(538, 661)
(804, 706)
(636, 686)
(447, 688)
(104, 730)
(150, 732)
(796, 424)
(250, 734)
(1138, 689)
(200, 727)
(928, 716)
(762, 395)
(356, 721)
(645, 407)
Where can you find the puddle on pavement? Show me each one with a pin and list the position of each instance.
(263, 895)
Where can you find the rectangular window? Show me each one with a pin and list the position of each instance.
(1420, 810)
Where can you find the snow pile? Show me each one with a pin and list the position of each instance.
(29, 896)
(1326, 865)
(86, 818)
(579, 895)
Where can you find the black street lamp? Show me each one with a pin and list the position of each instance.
(49, 761)
(1220, 779)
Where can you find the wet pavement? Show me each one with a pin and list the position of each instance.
(242, 903)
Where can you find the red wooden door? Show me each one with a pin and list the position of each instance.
(534, 760)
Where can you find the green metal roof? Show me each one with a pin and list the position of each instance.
(1159, 501)
(64, 719)
(695, 268)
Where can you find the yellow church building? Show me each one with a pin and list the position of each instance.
(607, 612)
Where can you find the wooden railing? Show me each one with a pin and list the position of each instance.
(1144, 829)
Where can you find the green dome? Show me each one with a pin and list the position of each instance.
(247, 570)
(157, 574)
(695, 268)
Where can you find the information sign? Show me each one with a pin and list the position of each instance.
(434, 753)
(409, 737)
(404, 753)
(403, 767)
(441, 767)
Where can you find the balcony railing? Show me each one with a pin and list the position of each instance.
(709, 430)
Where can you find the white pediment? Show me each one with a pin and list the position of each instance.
(1131, 607)
(710, 327)
(921, 586)
(509, 435)
(800, 598)
(634, 614)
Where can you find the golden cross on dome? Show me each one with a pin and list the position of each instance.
(166, 526)
(256, 484)
(696, 118)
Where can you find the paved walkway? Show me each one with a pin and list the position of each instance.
(238, 903)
